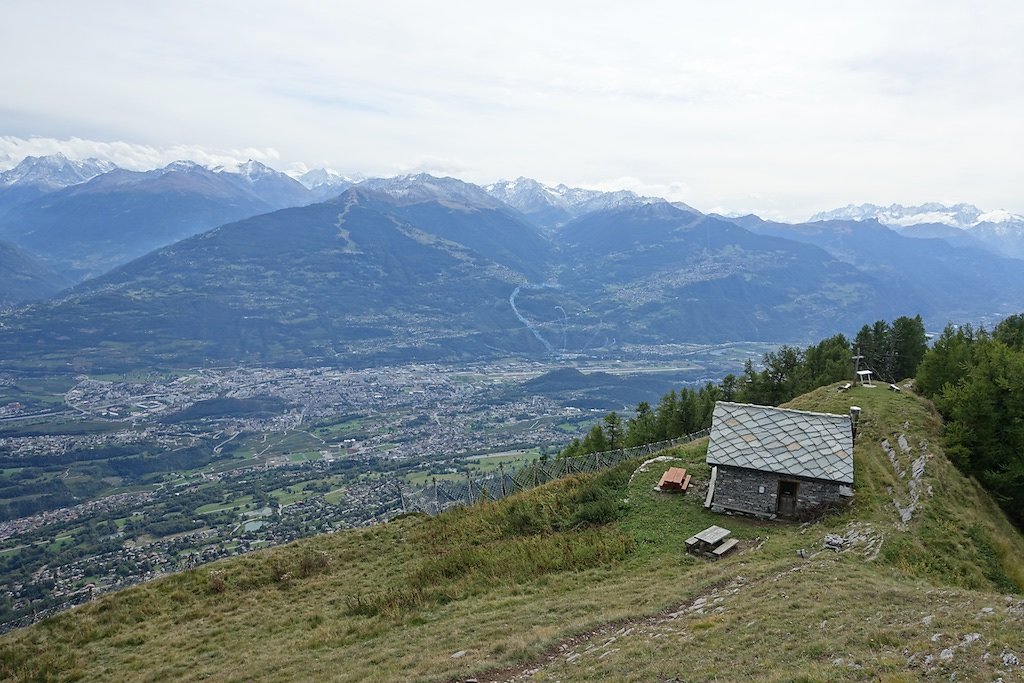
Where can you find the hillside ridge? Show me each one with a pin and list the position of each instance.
(587, 578)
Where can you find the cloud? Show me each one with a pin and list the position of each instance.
(672, 191)
(805, 105)
(434, 166)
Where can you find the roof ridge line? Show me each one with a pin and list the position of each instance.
(787, 410)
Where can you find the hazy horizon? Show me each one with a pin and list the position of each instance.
(732, 108)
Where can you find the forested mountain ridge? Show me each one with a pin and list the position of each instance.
(368, 276)
(294, 286)
(947, 279)
(25, 278)
(629, 275)
(664, 271)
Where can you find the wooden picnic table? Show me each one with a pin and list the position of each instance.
(713, 535)
(711, 542)
(675, 478)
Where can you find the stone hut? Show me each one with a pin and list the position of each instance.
(777, 462)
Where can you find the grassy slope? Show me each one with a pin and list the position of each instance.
(523, 586)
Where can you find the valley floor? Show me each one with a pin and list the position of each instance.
(108, 481)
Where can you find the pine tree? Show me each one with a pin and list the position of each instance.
(613, 430)
(642, 428)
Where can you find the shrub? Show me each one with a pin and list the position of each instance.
(313, 562)
(216, 583)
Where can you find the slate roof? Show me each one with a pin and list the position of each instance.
(794, 442)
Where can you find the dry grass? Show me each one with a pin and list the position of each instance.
(832, 619)
(506, 582)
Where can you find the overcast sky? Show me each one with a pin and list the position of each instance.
(781, 108)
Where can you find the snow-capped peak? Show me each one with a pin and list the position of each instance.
(529, 196)
(999, 216)
(54, 171)
(182, 166)
(425, 187)
(575, 196)
(251, 170)
(613, 200)
(554, 205)
(961, 216)
(318, 178)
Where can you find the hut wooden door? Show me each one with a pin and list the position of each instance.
(786, 504)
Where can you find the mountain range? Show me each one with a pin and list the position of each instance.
(1001, 231)
(552, 206)
(185, 265)
(36, 176)
(948, 277)
(84, 229)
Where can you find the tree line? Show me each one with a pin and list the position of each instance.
(892, 350)
(976, 380)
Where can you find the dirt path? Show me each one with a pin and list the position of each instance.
(602, 642)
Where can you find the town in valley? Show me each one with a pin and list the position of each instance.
(115, 479)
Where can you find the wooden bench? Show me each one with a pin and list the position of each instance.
(686, 483)
(846, 387)
(725, 547)
(692, 541)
